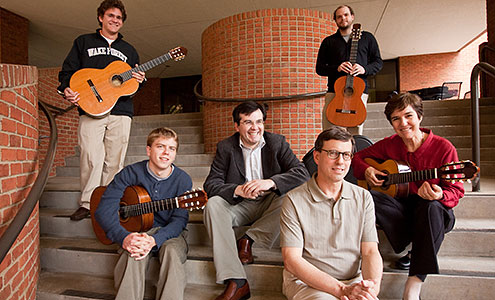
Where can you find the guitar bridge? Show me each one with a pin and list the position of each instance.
(346, 111)
(95, 92)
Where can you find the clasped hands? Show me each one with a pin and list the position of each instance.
(426, 191)
(138, 244)
(349, 68)
(254, 188)
(363, 290)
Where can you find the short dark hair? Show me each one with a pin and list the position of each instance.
(342, 6)
(162, 132)
(106, 5)
(401, 101)
(247, 108)
(333, 133)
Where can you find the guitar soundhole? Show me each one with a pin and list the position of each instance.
(117, 80)
(348, 91)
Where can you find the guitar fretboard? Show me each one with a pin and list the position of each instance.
(411, 176)
(149, 207)
(146, 66)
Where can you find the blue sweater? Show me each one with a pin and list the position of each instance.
(172, 222)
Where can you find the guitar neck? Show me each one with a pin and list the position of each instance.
(398, 178)
(352, 59)
(146, 66)
(149, 207)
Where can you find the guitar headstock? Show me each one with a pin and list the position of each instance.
(195, 199)
(178, 53)
(356, 32)
(459, 171)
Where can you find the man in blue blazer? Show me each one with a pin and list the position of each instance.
(250, 172)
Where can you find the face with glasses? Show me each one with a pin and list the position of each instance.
(251, 128)
(111, 21)
(334, 160)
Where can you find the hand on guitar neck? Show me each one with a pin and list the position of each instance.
(349, 68)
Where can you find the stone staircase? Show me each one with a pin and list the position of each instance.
(76, 266)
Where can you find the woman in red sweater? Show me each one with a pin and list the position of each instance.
(425, 215)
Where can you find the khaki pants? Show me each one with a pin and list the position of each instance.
(130, 274)
(219, 218)
(103, 143)
(295, 289)
(326, 124)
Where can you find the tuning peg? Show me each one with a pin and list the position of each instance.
(469, 180)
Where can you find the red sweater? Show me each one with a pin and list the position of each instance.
(433, 153)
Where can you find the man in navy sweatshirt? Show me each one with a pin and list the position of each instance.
(162, 180)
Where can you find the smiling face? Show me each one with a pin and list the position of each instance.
(344, 18)
(406, 123)
(162, 154)
(251, 128)
(333, 170)
(111, 22)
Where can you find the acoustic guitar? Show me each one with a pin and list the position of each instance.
(136, 208)
(346, 108)
(399, 174)
(99, 89)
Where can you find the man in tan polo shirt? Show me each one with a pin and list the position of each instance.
(328, 235)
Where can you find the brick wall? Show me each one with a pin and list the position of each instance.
(19, 270)
(421, 71)
(14, 35)
(265, 53)
(66, 124)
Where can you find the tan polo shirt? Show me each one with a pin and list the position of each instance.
(330, 232)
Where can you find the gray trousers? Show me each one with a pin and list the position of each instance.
(130, 274)
(219, 218)
(325, 124)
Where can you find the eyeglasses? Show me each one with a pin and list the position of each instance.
(334, 154)
(250, 123)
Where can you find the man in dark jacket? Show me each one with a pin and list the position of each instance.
(102, 141)
(333, 58)
(250, 172)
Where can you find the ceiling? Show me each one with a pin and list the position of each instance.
(402, 27)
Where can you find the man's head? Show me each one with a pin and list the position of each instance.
(249, 118)
(111, 15)
(343, 17)
(161, 148)
(333, 153)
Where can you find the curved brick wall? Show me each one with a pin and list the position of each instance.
(19, 270)
(264, 53)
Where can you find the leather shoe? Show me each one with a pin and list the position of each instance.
(80, 214)
(404, 262)
(245, 253)
(232, 292)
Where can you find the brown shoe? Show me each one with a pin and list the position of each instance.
(245, 253)
(80, 214)
(233, 293)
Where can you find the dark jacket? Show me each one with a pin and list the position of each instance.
(334, 50)
(279, 163)
(92, 51)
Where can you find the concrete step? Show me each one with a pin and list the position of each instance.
(433, 121)
(68, 286)
(432, 105)
(200, 171)
(88, 257)
(140, 129)
(140, 140)
(151, 124)
(157, 118)
(479, 232)
(431, 112)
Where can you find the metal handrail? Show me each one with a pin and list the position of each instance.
(270, 98)
(10, 235)
(475, 115)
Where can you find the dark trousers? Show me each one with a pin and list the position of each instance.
(418, 221)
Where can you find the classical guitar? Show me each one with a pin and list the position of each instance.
(136, 208)
(346, 108)
(396, 183)
(99, 89)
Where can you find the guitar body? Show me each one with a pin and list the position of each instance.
(132, 195)
(399, 190)
(99, 89)
(346, 108)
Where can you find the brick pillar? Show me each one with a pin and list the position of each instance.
(19, 270)
(270, 52)
(14, 32)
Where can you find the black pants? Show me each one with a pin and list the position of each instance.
(418, 221)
